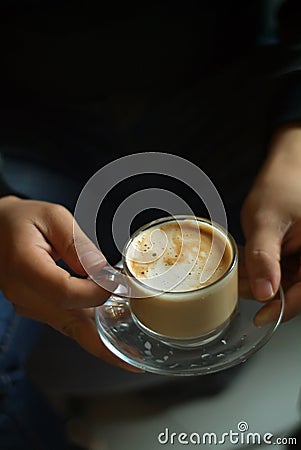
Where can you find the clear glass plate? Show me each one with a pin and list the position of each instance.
(241, 339)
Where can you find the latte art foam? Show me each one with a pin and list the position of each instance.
(179, 256)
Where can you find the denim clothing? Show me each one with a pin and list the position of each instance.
(26, 420)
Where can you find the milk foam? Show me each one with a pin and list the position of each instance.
(179, 256)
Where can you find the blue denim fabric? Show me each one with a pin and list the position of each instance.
(26, 420)
(17, 336)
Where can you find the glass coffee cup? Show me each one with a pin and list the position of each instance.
(180, 279)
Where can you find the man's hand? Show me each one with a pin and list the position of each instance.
(34, 235)
(271, 219)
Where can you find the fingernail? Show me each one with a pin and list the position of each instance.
(263, 289)
(92, 259)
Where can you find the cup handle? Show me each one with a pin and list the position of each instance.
(113, 279)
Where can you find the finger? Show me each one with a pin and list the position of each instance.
(292, 302)
(55, 285)
(82, 329)
(290, 267)
(264, 234)
(78, 325)
(70, 242)
(268, 313)
(292, 243)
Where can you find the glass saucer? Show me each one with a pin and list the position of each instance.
(241, 339)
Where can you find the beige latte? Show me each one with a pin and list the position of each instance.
(183, 274)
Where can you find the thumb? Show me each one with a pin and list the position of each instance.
(262, 254)
(72, 244)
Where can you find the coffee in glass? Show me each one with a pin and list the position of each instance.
(182, 276)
